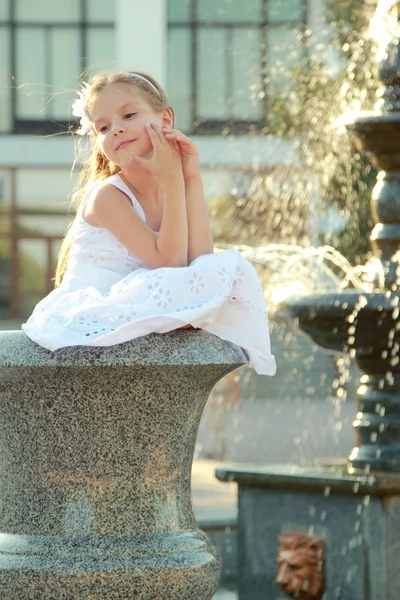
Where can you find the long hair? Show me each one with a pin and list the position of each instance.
(98, 167)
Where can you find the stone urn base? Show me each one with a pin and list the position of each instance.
(96, 448)
(176, 564)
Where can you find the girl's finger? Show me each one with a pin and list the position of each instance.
(172, 142)
(166, 127)
(179, 137)
(158, 132)
(168, 131)
(152, 134)
(176, 146)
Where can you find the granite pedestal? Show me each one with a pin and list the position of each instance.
(96, 448)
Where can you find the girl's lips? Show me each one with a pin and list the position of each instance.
(123, 144)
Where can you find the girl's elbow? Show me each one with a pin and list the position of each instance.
(200, 252)
(177, 260)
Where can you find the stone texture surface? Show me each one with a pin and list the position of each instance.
(96, 447)
(358, 517)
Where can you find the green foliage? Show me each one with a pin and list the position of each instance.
(313, 110)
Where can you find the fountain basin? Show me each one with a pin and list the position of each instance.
(378, 133)
(350, 320)
(365, 325)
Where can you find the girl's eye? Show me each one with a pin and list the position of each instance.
(103, 128)
(129, 115)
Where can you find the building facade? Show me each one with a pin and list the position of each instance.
(221, 62)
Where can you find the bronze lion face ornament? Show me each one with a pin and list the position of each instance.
(301, 572)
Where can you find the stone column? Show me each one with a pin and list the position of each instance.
(96, 447)
(141, 37)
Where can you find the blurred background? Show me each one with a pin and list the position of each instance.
(228, 66)
(261, 86)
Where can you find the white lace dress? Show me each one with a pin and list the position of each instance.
(108, 297)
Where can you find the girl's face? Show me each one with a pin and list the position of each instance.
(119, 115)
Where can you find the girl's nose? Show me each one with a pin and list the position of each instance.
(118, 129)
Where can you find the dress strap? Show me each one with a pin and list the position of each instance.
(121, 185)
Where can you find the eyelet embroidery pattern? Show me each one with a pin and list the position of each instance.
(152, 285)
(239, 276)
(98, 260)
(160, 296)
(197, 283)
(195, 292)
(226, 275)
(163, 297)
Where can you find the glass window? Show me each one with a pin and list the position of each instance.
(5, 188)
(5, 277)
(31, 62)
(64, 69)
(32, 259)
(285, 50)
(179, 10)
(229, 11)
(101, 11)
(43, 225)
(44, 189)
(47, 11)
(4, 9)
(234, 41)
(100, 49)
(285, 10)
(246, 55)
(34, 255)
(225, 182)
(179, 76)
(211, 69)
(5, 80)
(5, 228)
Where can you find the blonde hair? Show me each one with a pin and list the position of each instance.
(98, 167)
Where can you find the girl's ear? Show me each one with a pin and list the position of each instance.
(167, 118)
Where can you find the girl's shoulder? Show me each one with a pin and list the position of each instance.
(96, 189)
(116, 181)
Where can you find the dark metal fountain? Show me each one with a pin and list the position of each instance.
(335, 528)
(368, 324)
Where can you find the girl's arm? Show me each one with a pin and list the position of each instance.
(200, 240)
(108, 207)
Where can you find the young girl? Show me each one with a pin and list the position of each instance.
(138, 258)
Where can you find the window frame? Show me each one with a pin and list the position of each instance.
(233, 125)
(46, 125)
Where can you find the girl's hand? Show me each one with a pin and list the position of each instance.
(188, 150)
(166, 159)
